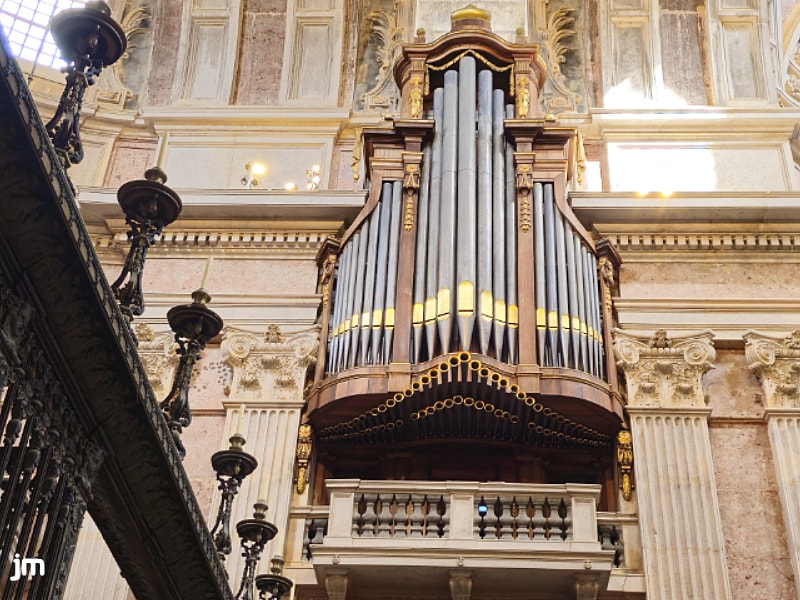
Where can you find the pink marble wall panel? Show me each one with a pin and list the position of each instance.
(732, 389)
(740, 281)
(261, 52)
(240, 276)
(174, 275)
(755, 545)
(164, 64)
(129, 160)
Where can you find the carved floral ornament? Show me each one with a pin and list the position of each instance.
(662, 371)
(775, 361)
(157, 352)
(270, 365)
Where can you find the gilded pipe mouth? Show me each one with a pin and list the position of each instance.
(425, 380)
(464, 357)
(399, 397)
(503, 383)
(458, 400)
(408, 392)
(495, 377)
(475, 365)
(443, 367)
(484, 372)
(416, 386)
(454, 361)
(514, 389)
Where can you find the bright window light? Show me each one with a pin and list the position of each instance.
(25, 23)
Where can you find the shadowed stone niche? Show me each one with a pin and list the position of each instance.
(775, 361)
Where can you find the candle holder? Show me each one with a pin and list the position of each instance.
(255, 534)
(274, 584)
(194, 324)
(89, 40)
(149, 206)
(232, 466)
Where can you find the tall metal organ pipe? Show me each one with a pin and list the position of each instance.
(498, 256)
(483, 221)
(421, 257)
(447, 214)
(466, 202)
(465, 268)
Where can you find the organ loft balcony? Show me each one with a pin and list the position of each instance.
(466, 318)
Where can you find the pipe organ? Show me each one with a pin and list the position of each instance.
(467, 251)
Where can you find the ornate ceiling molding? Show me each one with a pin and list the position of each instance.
(775, 361)
(664, 372)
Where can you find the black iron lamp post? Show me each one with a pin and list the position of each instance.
(149, 206)
(194, 324)
(232, 466)
(255, 534)
(89, 39)
(273, 586)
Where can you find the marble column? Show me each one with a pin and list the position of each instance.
(683, 546)
(776, 363)
(264, 404)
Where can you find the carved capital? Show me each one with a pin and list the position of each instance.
(775, 361)
(662, 371)
(269, 365)
(157, 352)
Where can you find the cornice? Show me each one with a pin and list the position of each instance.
(607, 210)
(222, 205)
(199, 119)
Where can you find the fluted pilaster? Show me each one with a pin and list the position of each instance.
(776, 363)
(264, 405)
(683, 546)
(93, 556)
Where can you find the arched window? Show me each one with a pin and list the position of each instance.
(25, 23)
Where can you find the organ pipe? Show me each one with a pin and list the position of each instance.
(574, 318)
(375, 282)
(466, 201)
(539, 272)
(382, 235)
(432, 274)
(550, 276)
(421, 256)
(512, 314)
(348, 307)
(391, 284)
(484, 215)
(561, 270)
(358, 297)
(581, 296)
(447, 215)
(499, 225)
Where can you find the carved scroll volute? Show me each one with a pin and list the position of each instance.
(303, 456)
(608, 264)
(775, 361)
(625, 463)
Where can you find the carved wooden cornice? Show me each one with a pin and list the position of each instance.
(775, 361)
(664, 372)
(268, 366)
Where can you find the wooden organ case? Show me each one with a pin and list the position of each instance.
(466, 324)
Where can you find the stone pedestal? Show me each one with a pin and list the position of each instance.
(776, 363)
(683, 546)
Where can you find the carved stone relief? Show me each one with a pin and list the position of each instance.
(663, 372)
(157, 352)
(268, 366)
(775, 361)
(123, 84)
(564, 89)
(383, 29)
